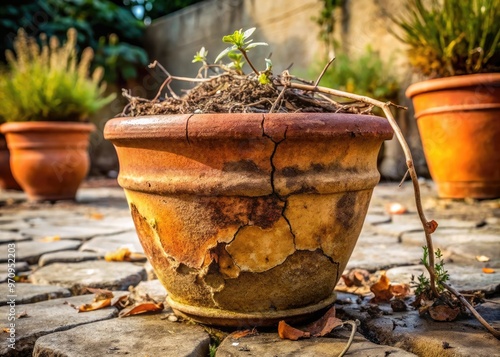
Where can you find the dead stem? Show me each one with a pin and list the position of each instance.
(476, 314)
(428, 226)
(354, 327)
(323, 71)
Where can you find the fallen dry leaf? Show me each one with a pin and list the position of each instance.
(123, 255)
(382, 290)
(6, 330)
(141, 308)
(49, 239)
(325, 324)
(400, 290)
(443, 313)
(96, 215)
(356, 277)
(396, 208)
(488, 270)
(243, 333)
(287, 332)
(96, 305)
(120, 301)
(482, 258)
(319, 328)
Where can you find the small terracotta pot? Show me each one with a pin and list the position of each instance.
(7, 181)
(49, 160)
(248, 219)
(459, 123)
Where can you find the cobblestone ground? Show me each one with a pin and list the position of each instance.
(59, 250)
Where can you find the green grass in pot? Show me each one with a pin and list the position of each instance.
(49, 82)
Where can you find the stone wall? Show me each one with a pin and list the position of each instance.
(292, 33)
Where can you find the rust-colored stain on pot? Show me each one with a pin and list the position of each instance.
(256, 217)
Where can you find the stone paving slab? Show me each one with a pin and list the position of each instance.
(270, 345)
(378, 252)
(111, 243)
(153, 288)
(71, 256)
(82, 232)
(466, 279)
(132, 336)
(9, 236)
(31, 251)
(94, 274)
(19, 268)
(48, 317)
(425, 337)
(29, 293)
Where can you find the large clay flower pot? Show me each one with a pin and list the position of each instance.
(7, 181)
(459, 123)
(49, 160)
(248, 218)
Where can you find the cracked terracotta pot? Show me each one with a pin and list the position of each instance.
(49, 160)
(7, 181)
(248, 218)
(459, 123)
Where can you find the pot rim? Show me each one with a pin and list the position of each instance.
(41, 126)
(437, 84)
(252, 125)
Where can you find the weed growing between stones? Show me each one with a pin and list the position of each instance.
(228, 90)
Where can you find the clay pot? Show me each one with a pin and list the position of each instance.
(7, 181)
(248, 219)
(49, 160)
(459, 123)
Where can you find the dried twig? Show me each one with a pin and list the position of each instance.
(323, 71)
(428, 226)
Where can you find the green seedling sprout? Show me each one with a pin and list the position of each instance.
(241, 42)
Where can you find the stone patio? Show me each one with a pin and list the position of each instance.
(60, 249)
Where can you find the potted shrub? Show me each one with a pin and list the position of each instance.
(456, 44)
(248, 198)
(47, 95)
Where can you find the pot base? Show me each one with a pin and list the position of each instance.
(226, 318)
(478, 190)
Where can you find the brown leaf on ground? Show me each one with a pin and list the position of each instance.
(123, 255)
(325, 324)
(319, 328)
(400, 291)
(488, 270)
(96, 305)
(6, 330)
(287, 332)
(96, 215)
(141, 308)
(120, 301)
(382, 290)
(119, 255)
(443, 313)
(356, 277)
(243, 333)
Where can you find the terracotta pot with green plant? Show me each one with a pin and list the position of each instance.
(47, 95)
(456, 44)
(248, 195)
